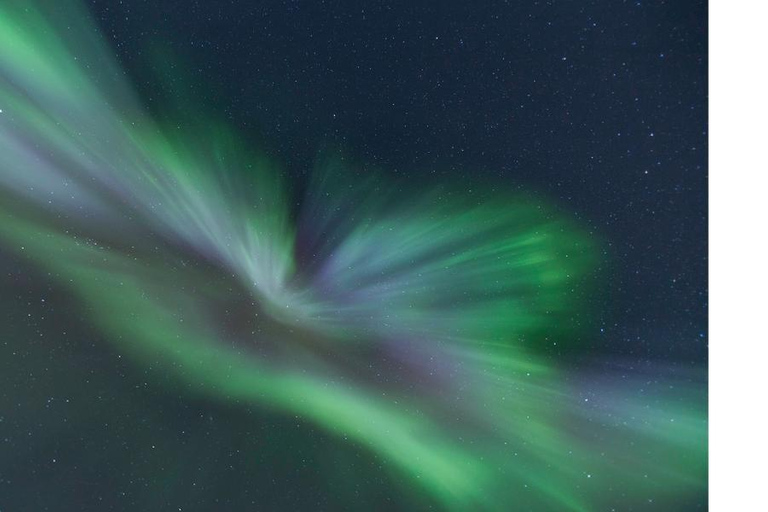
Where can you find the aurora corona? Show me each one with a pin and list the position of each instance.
(417, 324)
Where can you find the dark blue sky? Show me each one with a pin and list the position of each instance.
(599, 105)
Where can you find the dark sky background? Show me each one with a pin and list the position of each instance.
(598, 105)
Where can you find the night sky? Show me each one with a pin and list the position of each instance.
(598, 107)
(601, 106)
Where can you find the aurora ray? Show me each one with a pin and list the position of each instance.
(412, 322)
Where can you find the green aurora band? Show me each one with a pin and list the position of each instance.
(417, 324)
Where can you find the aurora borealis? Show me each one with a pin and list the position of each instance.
(432, 327)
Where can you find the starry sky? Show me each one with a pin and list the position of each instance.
(598, 108)
(601, 106)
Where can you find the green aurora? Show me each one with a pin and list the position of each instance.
(414, 323)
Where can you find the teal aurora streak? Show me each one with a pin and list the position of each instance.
(413, 323)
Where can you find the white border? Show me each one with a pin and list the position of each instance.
(738, 256)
